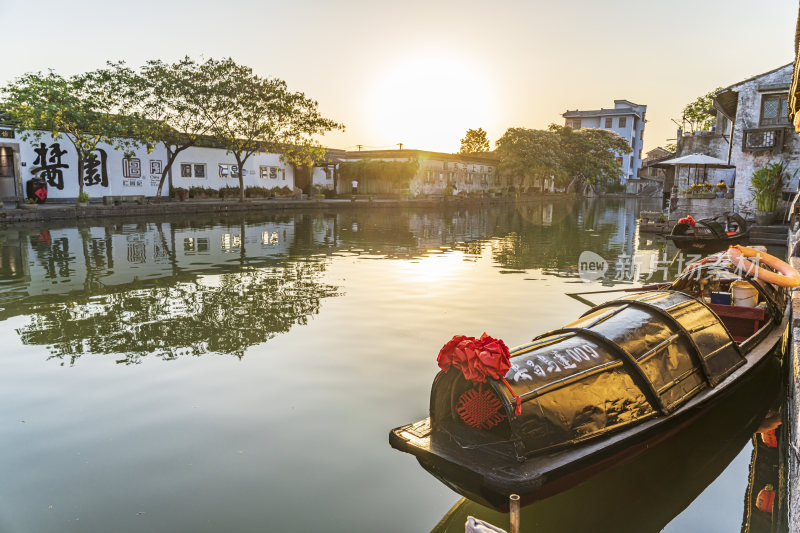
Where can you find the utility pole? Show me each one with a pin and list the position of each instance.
(400, 145)
(359, 146)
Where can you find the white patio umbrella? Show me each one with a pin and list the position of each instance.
(694, 160)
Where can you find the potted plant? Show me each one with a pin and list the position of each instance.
(83, 199)
(767, 186)
(721, 189)
(702, 190)
(30, 203)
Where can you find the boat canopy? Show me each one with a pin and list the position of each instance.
(620, 363)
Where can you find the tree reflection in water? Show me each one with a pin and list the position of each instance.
(182, 287)
(223, 314)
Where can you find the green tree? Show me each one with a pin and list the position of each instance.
(83, 109)
(256, 114)
(590, 155)
(526, 154)
(587, 155)
(699, 115)
(389, 175)
(475, 141)
(168, 102)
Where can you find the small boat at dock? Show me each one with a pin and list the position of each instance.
(709, 235)
(587, 397)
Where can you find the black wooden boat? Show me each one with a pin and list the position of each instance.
(649, 491)
(708, 236)
(626, 375)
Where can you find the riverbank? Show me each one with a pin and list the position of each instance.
(45, 212)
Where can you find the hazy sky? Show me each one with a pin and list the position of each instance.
(422, 72)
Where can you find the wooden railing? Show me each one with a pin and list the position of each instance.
(763, 139)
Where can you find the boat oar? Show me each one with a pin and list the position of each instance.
(653, 286)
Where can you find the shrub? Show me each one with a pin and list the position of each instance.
(83, 197)
(196, 192)
(256, 192)
(229, 192)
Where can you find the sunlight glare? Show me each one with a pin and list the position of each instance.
(434, 268)
(430, 102)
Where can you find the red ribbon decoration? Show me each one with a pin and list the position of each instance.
(478, 359)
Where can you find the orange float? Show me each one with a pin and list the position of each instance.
(766, 499)
(786, 276)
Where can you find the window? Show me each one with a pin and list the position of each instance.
(193, 170)
(623, 122)
(774, 109)
(608, 122)
(576, 124)
(269, 172)
(228, 171)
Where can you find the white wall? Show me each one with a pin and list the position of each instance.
(120, 181)
(319, 177)
(214, 157)
(123, 179)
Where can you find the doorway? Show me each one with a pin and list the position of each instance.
(8, 175)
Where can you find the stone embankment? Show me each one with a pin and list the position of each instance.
(794, 398)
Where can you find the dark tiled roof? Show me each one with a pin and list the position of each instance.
(751, 78)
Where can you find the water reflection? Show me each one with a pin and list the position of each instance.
(167, 290)
(368, 296)
(766, 495)
(180, 287)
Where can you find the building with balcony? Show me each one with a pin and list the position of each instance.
(626, 119)
(753, 130)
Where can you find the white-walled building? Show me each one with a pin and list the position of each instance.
(215, 168)
(110, 173)
(626, 119)
(753, 116)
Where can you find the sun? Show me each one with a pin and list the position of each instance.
(429, 102)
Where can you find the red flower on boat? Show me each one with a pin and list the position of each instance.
(478, 359)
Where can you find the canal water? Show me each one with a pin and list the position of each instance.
(242, 373)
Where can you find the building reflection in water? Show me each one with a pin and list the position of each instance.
(180, 287)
